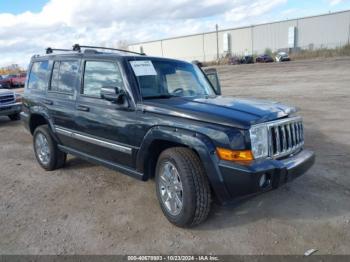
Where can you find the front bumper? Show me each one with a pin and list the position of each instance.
(6, 110)
(244, 180)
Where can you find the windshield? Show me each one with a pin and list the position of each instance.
(167, 78)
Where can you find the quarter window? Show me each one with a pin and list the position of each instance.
(64, 76)
(100, 74)
(39, 76)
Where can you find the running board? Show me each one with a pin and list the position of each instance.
(125, 170)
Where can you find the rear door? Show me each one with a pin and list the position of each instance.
(61, 97)
(36, 88)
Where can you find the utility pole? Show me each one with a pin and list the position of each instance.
(217, 41)
(252, 38)
(349, 35)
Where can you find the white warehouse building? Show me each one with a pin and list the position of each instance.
(314, 32)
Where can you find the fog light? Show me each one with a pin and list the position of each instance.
(263, 180)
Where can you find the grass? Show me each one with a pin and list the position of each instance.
(322, 53)
(300, 55)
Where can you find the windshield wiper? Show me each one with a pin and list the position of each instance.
(158, 97)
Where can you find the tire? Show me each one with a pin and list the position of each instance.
(195, 194)
(15, 117)
(55, 158)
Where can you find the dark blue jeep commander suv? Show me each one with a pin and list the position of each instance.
(160, 118)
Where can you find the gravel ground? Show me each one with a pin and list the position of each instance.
(88, 209)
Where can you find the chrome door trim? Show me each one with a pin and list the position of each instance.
(92, 140)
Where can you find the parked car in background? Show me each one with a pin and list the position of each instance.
(248, 59)
(10, 104)
(13, 81)
(264, 59)
(282, 57)
(5, 81)
(234, 60)
(19, 80)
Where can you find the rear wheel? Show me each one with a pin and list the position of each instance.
(15, 117)
(46, 151)
(182, 187)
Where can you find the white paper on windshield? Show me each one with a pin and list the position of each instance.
(143, 68)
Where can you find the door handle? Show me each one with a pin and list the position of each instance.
(83, 108)
(48, 102)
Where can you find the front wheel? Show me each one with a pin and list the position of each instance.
(182, 187)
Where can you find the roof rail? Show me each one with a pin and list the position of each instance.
(50, 50)
(78, 48)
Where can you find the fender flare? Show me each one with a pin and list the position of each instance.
(40, 111)
(198, 142)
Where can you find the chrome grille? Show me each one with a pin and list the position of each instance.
(7, 99)
(285, 136)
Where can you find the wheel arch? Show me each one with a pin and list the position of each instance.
(161, 137)
(37, 119)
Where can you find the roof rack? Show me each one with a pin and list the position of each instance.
(78, 48)
(50, 50)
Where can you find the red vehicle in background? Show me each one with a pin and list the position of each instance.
(12, 81)
(19, 80)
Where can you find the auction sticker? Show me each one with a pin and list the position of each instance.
(143, 68)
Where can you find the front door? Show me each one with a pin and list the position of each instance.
(104, 127)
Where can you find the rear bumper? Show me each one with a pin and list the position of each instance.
(6, 110)
(244, 180)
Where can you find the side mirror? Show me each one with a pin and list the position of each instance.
(113, 94)
(213, 77)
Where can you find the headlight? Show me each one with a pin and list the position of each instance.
(259, 140)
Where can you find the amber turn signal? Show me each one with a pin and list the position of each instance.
(234, 155)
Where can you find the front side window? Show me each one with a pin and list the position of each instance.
(167, 78)
(64, 76)
(39, 76)
(100, 74)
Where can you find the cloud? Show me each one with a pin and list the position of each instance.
(335, 2)
(62, 23)
(252, 9)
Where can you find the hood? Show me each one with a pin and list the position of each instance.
(230, 111)
(5, 92)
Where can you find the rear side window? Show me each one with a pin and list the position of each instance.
(64, 76)
(39, 76)
(100, 74)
